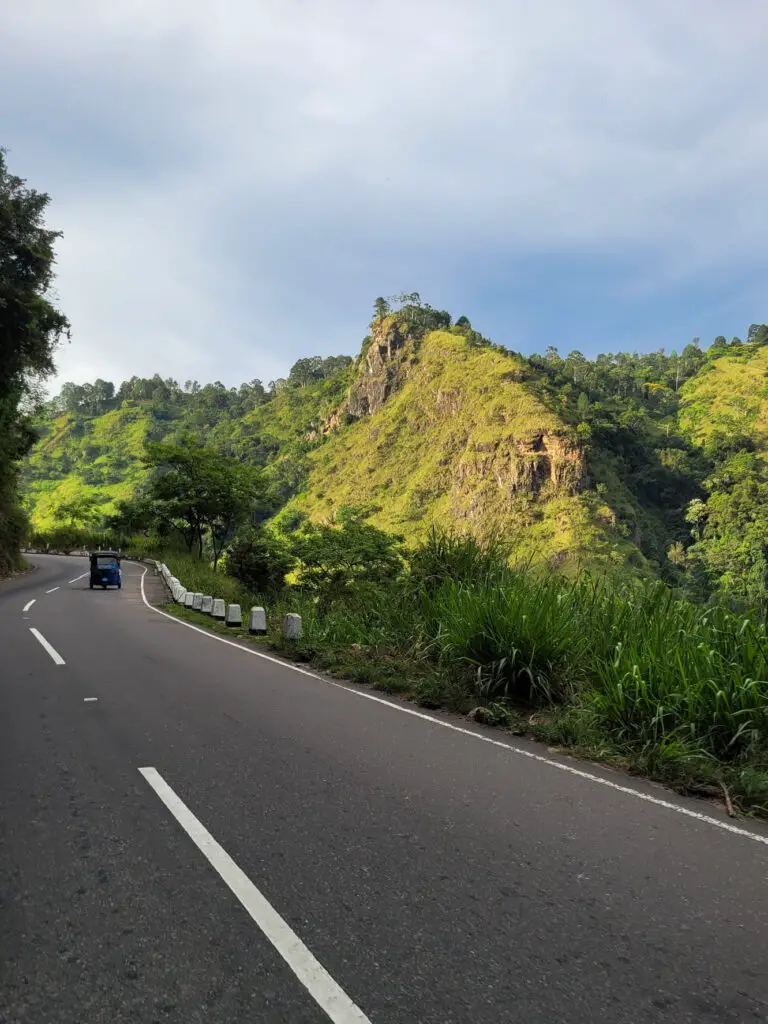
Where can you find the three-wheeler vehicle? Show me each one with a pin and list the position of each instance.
(105, 570)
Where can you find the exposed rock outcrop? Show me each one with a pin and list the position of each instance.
(522, 465)
(383, 367)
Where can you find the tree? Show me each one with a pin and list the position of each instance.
(380, 308)
(82, 510)
(130, 516)
(198, 492)
(30, 329)
(71, 397)
(340, 559)
(259, 560)
(306, 371)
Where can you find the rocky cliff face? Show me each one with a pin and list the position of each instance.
(527, 465)
(383, 367)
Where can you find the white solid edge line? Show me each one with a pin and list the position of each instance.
(78, 578)
(686, 811)
(310, 972)
(52, 590)
(29, 604)
(44, 643)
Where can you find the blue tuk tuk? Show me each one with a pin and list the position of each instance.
(105, 570)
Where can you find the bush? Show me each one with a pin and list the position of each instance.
(348, 557)
(65, 539)
(259, 561)
(449, 556)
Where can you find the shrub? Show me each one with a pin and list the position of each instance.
(449, 556)
(259, 561)
(346, 557)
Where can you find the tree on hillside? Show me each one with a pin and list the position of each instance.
(305, 371)
(419, 316)
(380, 308)
(82, 510)
(200, 493)
(315, 368)
(259, 560)
(341, 558)
(30, 328)
(130, 515)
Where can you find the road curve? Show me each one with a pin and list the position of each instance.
(308, 855)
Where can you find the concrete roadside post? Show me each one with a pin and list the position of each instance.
(292, 629)
(189, 597)
(197, 601)
(257, 623)
(219, 611)
(206, 606)
(234, 615)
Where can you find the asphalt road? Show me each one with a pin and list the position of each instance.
(386, 867)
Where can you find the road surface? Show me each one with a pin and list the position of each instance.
(192, 833)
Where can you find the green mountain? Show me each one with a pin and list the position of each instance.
(439, 431)
(655, 461)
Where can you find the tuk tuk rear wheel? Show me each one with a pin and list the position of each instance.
(90, 585)
(103, 586)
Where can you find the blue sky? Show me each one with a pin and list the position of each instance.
(237, 182)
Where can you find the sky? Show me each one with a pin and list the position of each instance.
(237, 181)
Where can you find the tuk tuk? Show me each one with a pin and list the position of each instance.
(105, 570)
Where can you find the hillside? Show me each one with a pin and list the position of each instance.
(443, 433)
(651, 461)
(93, 446)
(724, 412)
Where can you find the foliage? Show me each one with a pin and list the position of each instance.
(419, 317)
(30, 327)
(95, 445)
(446, 556)
(574, 461)
(309, 371)
(82, 510)
(196, 491)
(259, 560)
(337, 559)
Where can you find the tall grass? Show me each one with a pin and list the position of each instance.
(698, 675)
(648, 666)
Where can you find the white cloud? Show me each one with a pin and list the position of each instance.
(237, 181)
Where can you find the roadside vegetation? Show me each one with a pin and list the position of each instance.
(637, 486)
(620, 670)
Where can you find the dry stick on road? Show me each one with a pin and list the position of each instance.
(728, 801)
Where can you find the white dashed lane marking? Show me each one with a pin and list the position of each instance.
(310, 972)
(57, 658)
